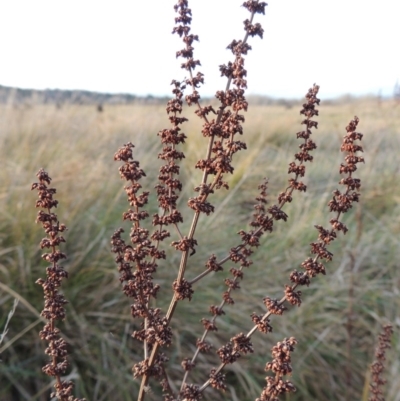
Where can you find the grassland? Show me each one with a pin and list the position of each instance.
(342, 312)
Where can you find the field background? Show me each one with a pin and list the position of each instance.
(76, 144)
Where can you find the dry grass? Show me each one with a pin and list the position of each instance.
(76, 143)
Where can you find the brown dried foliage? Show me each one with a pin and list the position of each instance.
(378, 366)
(54, 301)
(138, 260)
(281, 366)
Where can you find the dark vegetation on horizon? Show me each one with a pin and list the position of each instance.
(60, 97)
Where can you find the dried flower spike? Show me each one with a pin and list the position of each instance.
(378, 366)
(281, 366)
(137, 261)
(53, 301)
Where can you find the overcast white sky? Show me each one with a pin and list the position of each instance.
(345, 46)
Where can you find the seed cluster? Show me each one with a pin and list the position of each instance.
(281, 366)
(378, 366)
(54, 301)
(220, 131)
(340, 203)
(262, 222)
(137, 261)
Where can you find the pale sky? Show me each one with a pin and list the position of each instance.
(345, 46)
